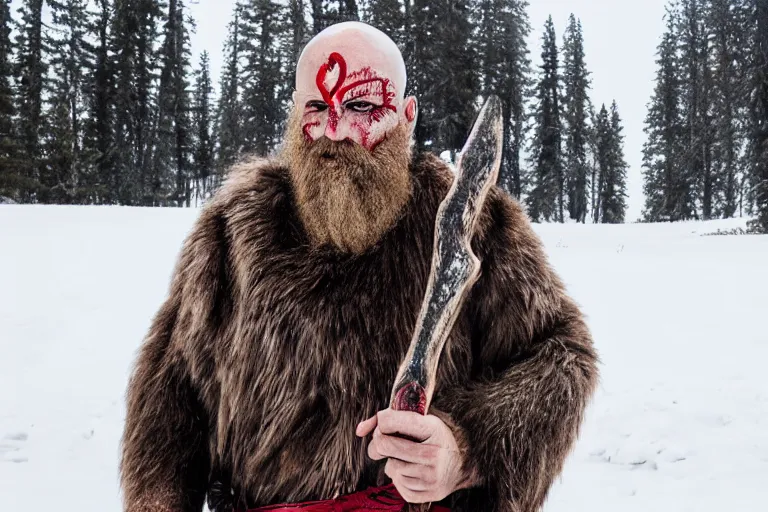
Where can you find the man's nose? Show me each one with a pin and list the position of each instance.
(332, 126)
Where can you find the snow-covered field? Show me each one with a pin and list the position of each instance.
(680, 422)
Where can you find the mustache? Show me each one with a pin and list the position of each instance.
(325, 148)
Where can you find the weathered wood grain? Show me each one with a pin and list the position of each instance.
(455, 268)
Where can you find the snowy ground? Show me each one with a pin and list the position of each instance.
(680, 422)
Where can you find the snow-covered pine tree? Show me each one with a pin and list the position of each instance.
(389, 17)
(60, 176)
(98, 92)
(160, 186)
(229, 113)
(261, 76)
(294, 35)
(758, 140)
(592, 145)
(575, 101)
(424, 67)
(10, 171)
(318, 16)
(182, 119)
(665, 180)
(545, 200)
(613, 178)
(726, 31)
(345, 10)
(695, 173)
(170, 183)
(457, 86)
(134, 34)
(205, 175)
(329, 12)
(504, 69)
(30, 71)
(602, 141)
(444, 74)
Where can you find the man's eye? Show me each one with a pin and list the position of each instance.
(318, 106)
(360, 106)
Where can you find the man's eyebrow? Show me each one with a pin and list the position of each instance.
(361, 95)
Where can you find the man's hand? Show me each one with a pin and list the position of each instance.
(425, 469)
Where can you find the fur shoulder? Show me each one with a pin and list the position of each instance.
(257, 205)
(264, 178)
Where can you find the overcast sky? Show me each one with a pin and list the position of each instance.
(620, 39)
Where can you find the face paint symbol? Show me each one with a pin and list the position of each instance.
(364, 118)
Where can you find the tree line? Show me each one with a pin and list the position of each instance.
(706, 154)
(101, 104)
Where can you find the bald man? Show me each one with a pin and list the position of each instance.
(264, 380)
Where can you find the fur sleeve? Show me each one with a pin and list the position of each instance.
(165, 461)
(535, 369)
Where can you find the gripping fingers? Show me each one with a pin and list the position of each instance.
(393, 447)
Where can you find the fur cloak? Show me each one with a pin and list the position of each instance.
(267, 353)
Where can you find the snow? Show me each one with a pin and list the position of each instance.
(680, 421)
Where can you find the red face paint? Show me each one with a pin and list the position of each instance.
(357, 106)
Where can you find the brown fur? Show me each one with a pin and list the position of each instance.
(269, 350)
(352, 198)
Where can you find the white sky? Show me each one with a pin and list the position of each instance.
(620, 39)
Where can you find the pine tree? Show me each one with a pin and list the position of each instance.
(602, 141)
(329, 12)
(758, 107)
(182, 119)
(503, 53)
(695, 173)
(594, 167)
(575, 107)
(424, 69)
(294, 35)
(31, 70)
(457, 89)
(98, 91)
(726, 29)
(387, 16)
(229, 112)
(134, 32)
(171, 165)
(613, 175)
(261, 76)
(545, 201)
(60, 175)
(205, 177)
(665, 181)
(10, 169)
(446, 73)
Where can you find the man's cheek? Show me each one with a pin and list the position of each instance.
(312, 127)
(376, 130)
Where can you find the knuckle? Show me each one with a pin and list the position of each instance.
(385, 446)
(373, 451)
(385, 419)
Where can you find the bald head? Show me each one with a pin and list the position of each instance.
(361, 45)
(350, 84)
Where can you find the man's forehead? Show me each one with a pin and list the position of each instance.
(350, 48)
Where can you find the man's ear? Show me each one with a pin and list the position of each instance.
(293, 98)
(411, 112)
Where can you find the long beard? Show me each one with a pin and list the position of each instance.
(347, 196)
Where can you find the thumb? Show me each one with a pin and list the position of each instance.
(366, 427)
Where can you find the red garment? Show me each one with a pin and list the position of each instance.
(379, 499)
